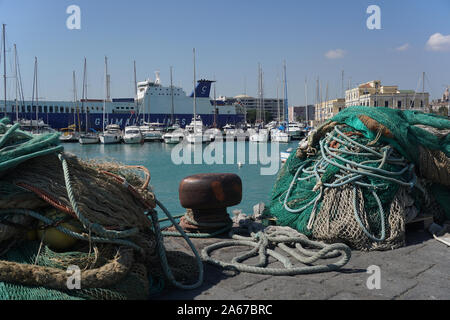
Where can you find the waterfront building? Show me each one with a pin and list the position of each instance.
(298, 113)
(270, 104)
(442, 105)
(327, 109)
(374, 94)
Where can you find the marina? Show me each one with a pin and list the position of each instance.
(144, 163)
(157, 158)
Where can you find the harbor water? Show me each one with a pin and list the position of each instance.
(166, 176)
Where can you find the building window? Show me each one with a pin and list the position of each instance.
(421, 103)
(23, 109)
(45, 109)
(51, 109)
(399, 104)
(386, 104)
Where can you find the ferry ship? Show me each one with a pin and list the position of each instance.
(153, 103)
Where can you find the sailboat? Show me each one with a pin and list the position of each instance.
(70, 134)
(152, 131)
(280, 134)
(87, 137)
(260, 134)
(195, 129)
(174, 134)
(214, 132)
(133, 134)
(112, 133)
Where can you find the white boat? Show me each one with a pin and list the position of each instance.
(214, 133)
(112, 134)
(261, 136)
(295, 130)
(69, 135)
(277, 135)
(285, 155)
(89, 138)
(133, 135)
(194, 131)
(196, 125)
(35, 127)
(152, 131)
(173, 135)
(272, 124)
(229, 130)
(195, 137)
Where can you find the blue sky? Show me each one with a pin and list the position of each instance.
(231, 37)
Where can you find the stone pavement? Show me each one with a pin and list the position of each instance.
(421, 270)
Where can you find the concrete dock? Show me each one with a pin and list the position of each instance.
(420, 270)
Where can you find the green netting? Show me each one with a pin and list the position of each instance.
(18, 153)
(402, 124)
(298, 194)
(17, 146)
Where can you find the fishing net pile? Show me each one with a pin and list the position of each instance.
(59, 214)
(361, 176)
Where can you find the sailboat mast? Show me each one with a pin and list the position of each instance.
(84, 95)
(74, 94)
(286, 98)
(215, 105)
(195, 97)
(423, 88)
(171, 94)
(135, 92)
(35, 90)
(262, 97)
(306, 101)
(278, 99)
(4, 64)
(135, 81)
(106, 91)
(258, 106)
(17, 81)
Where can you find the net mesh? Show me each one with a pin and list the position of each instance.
(113, 199)
(301, 199)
